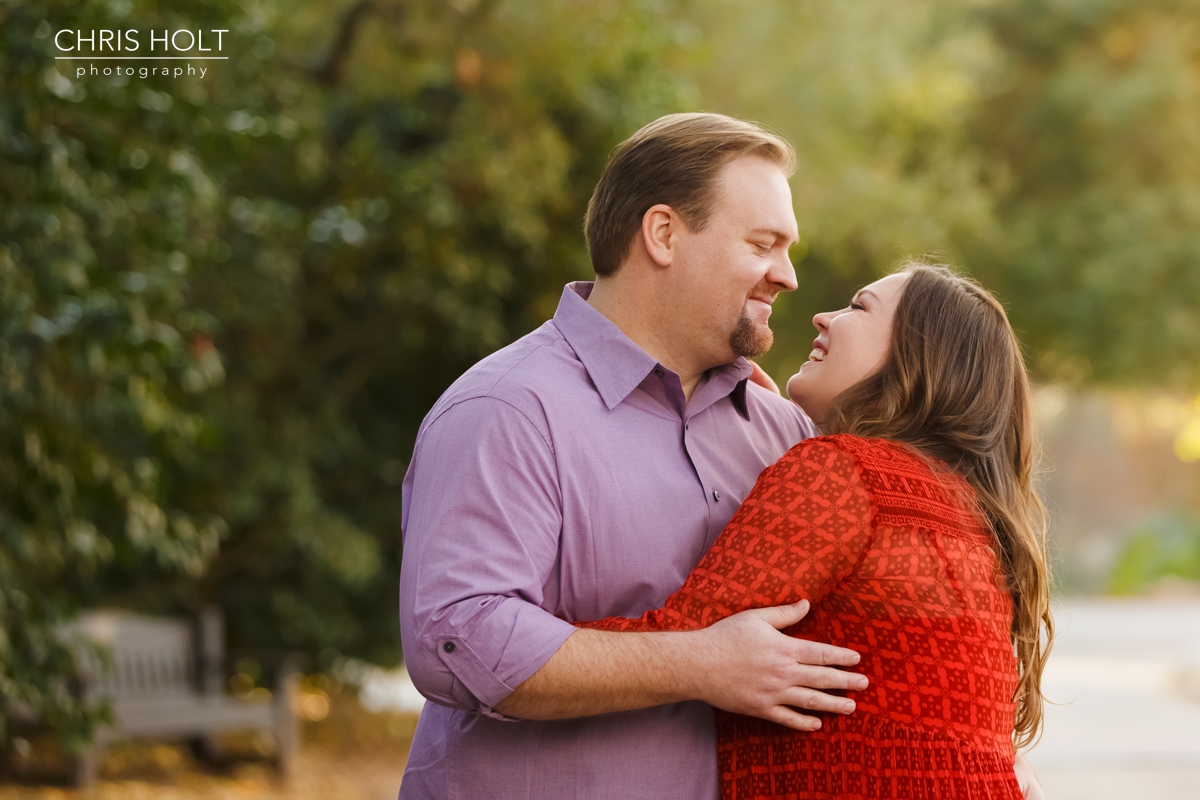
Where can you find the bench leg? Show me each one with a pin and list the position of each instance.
(287, 725)
(86, 766)
(206, 748)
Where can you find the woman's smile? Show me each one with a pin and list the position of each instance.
(862, 331)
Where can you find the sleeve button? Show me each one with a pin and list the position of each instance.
(448, 647)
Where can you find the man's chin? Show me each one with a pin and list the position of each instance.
(749, 340)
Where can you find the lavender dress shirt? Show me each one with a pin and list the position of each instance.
(566, 478)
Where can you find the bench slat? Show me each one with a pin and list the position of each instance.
(191, 715)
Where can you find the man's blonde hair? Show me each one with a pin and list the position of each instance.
(673, 160)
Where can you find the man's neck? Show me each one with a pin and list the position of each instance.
(637, 310)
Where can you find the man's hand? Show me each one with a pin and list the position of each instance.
(1030, 788)
(741, 664)
(753, 669)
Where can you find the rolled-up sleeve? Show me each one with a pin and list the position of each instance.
(482, 516)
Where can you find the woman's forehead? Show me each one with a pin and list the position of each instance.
(887, 285)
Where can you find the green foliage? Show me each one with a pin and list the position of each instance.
(1049, 146)
(402, 223)
(1167, 547)
(97, 352)
(1089, 122)
(229, 301)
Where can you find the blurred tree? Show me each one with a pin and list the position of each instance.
(1048, 146)
(98, 350)
(397, 217)
(1089, 123)
(332, 225)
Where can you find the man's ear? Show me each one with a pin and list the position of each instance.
(659, 225)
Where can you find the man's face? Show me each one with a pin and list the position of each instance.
(735, 267)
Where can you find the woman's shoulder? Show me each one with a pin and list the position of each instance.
(905, 487)
(867, 453)
(855, 457)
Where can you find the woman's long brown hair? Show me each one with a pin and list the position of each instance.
(954, 388)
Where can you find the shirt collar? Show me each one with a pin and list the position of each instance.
(617, 365)
(726, 380)
(738, 396)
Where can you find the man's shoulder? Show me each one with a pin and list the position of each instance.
(779, 413)
(517, 375)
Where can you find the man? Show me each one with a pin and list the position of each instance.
(583, 471)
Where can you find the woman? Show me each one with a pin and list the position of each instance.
(913, 528)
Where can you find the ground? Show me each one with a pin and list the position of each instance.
(350, 755)
(1124, 685)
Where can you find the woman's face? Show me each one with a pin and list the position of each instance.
(851, 345)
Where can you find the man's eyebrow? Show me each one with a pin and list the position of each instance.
(787, 237)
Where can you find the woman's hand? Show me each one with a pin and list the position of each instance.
(760, 376)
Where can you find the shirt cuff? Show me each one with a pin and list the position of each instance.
(488, 685)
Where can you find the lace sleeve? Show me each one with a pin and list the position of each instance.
(804, 527)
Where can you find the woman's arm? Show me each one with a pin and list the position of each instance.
(804, 527)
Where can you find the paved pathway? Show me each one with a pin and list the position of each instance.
(1127, 673)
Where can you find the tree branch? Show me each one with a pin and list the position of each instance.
(329, 72)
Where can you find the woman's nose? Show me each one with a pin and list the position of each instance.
(821, 321)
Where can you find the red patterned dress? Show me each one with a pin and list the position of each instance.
(898, 567)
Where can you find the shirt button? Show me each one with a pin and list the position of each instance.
(659, 372)
(448, 647)
(716, 497)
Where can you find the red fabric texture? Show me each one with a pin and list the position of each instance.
(899, 567)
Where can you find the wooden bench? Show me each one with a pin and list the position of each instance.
(167, 679)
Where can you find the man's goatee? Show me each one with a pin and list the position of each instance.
(749, 341)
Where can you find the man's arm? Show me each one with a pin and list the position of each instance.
(481, 526)
(741, 664)
(481, 521)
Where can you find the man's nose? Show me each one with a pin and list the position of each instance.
(783, 274)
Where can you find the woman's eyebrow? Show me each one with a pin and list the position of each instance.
(861, 292)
